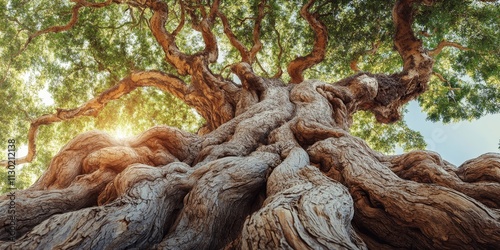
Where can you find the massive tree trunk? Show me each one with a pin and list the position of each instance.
(274, 168)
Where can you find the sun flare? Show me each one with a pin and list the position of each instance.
(122, 132)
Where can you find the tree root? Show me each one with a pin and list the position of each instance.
(32, 207)
(483, 168)
(405, 214)
(95, 150)
(148, 200)
(426, 167)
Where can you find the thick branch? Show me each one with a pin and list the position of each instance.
(182, 62)
(166, 82)
(149, 199)
(396, 90)
(296, 67)
(427, 167)
(244, 133)
(224, 194)
(409, 47)
(387, 93)
(250, 80)
(93, 151)
(483, 168)
(404, 214)
(211, 50)
(304, 210)
(213, 97)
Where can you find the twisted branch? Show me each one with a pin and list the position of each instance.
(297, 67)
(57, 28)
(166, 40)
(444, 44)
(247, 56)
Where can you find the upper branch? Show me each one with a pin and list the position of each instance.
(205, 27)
(212, 96)
(398, 89)
(166, 40)
(247, 56)
(444, 44)
(409, 47)
(417, 65)
(296, 67)
(257, 44)
(74, 19)
(209, 38)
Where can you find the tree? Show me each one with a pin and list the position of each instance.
(275, 164)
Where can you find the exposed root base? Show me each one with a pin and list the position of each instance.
(282, 174)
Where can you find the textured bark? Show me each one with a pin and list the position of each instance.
(148, 200)
(33, 207)
(225, 193)
(405, 214)
(308, 210)
(275, 167)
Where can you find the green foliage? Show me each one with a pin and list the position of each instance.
(109, 43)
(472, 78)
(386, 137)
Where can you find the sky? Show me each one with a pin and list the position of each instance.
(456, 142)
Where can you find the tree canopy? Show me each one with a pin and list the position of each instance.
(75, 50)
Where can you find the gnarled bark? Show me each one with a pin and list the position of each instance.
(148, 200)
(274, 167)
(307, 211)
